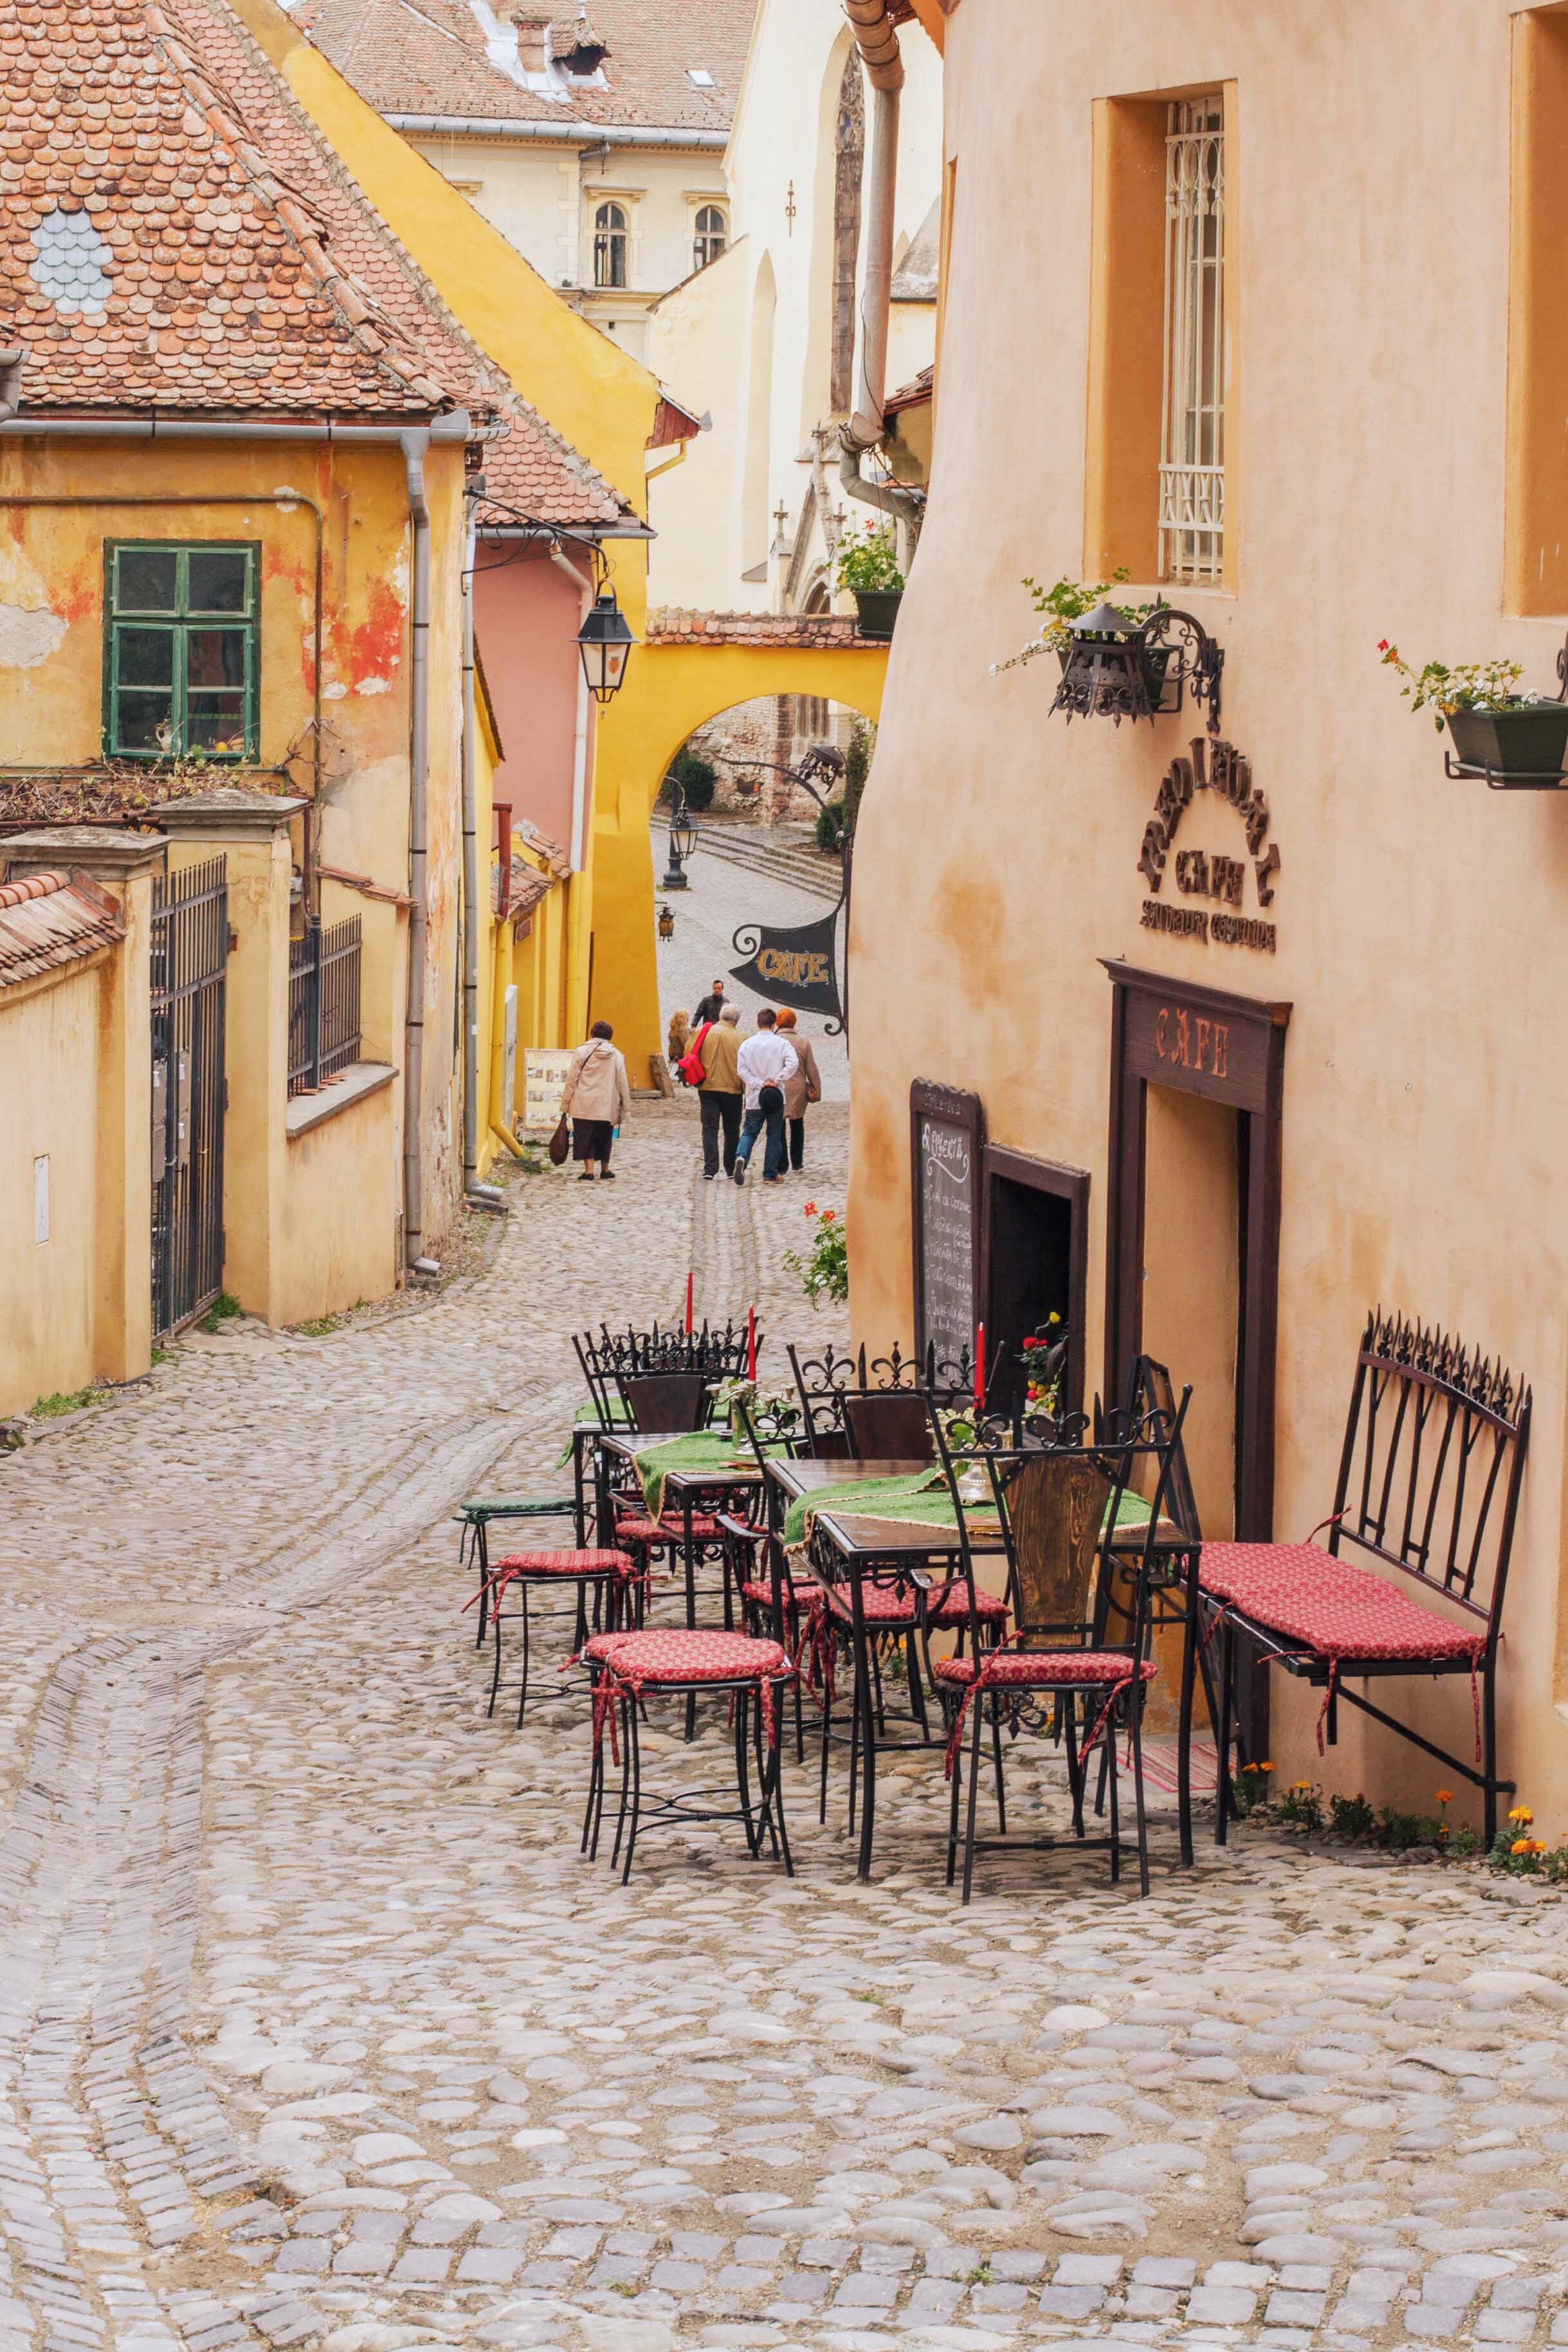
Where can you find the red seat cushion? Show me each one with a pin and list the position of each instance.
(704, 1526)
(1329, 1605)
(566, 1563)
(597, 1646)
(953, 1610)
(676, 1655)
(667, 1530)
(1042, 1669)
(804, 1596)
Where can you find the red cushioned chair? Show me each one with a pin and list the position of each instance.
(1428, 1490)
(612, 1577)
(1070, 1565)
(628, 1668)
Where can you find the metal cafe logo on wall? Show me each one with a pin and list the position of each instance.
(1219, 769)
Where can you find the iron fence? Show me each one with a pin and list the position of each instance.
(323, 1002)
(189, 962)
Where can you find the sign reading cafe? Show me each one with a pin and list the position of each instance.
(1219, 769)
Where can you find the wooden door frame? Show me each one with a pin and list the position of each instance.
(1071, 1184)
(1231, 1050)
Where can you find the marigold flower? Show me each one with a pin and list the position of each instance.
(1444, 1796)
(1268, 1767)
(1527, 1846)
(1521, 1813)
(1297, 1786)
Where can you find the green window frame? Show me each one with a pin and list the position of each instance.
(182, 651)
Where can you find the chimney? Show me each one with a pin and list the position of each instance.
(532, 40)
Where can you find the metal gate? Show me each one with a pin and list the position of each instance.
(189, 959)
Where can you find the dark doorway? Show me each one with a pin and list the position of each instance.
(188, 963)
(1035, 1266)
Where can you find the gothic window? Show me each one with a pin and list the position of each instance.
(847, 233)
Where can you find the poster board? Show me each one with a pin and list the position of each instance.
(545, 1069)
(947, 1138)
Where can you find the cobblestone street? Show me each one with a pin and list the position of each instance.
(315, 2029)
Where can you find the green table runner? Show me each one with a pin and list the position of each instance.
(920, 1495)
(705, 1449)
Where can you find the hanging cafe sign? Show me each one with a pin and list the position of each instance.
(1217, 768)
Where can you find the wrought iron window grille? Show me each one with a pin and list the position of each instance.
(1111, 669)
(1191, 454)
(323, 1004)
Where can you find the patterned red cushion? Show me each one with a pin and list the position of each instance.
(804, 1596)
(676, 1655)
(954, 1609)
(1329, 1605)
(1043, 1669)
(880, 1603)
(704, 1529)
(641, 1530)
(598, 1647)
(565, 1563)
(666, 1530)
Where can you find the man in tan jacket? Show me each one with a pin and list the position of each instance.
(720, 1091)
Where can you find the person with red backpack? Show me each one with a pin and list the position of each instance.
(714, 1051)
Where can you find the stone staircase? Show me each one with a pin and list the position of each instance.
(787, 852)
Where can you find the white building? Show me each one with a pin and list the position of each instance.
(765, 336)
(593, 138)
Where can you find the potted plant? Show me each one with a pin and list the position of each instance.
(1069, 600)
(869, 568)
(1496, 730)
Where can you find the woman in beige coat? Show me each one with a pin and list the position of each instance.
(598, 1098)
(805, 1087)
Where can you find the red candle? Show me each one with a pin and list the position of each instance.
(980, 1367)
(689, 1279)
(752, 1345)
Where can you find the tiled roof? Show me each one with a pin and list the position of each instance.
(430, 56)
(51, 919)
(163, 238)
(913, 394)
(823, 631)
(532, 469)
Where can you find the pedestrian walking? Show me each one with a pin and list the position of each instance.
(765, 1063)
(720, 1091)
(598, 1100)
(711, 1006)
(805, 1087)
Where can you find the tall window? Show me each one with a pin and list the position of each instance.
(847, 176)
(1191, 452)
(182, 662)
(711, 235)
(610, 243)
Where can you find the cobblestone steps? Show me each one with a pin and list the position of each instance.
(796, 861)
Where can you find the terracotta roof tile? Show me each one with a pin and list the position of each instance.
(164, 243)
(430, 56)
(669, 627)
(51, 919)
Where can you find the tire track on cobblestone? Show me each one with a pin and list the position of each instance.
(112, 2144)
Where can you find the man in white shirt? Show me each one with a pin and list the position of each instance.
(764, 1064)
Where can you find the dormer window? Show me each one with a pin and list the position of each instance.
(581, 52)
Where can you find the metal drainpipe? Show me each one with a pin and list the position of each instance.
(414, 444)
(580, 812)
(471, 880)
(878, 42)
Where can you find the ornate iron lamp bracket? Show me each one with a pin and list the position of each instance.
(1198, 663)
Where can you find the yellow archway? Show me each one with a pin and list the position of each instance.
(689, 670)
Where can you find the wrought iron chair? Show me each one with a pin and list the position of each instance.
(625, 1669)
(1058, 1508)
(825, 1383)
(1429, 1489)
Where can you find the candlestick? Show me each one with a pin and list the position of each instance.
(689, 1280)
(752, 1345)
(980, 1367)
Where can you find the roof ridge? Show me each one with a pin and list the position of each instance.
(365, 319)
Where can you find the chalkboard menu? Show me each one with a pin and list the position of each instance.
(947, 1136)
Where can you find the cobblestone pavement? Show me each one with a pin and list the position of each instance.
(315, 2029)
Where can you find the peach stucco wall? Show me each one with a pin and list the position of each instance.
(526, 616)
(1420, 921)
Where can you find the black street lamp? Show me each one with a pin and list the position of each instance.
(682, 842)
(1116, 667)
(605, 642)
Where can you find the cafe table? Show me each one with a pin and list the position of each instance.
(857, 1540)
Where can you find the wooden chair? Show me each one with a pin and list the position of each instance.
(1428, 1490)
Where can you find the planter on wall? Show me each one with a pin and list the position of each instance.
(878, 610)
(1524, 743)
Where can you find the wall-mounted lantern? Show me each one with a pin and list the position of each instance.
(1115, 669)
(605, 642)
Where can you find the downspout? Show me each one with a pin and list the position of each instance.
(575, 925)
(414, 444)
(471, 880)
(878, 42)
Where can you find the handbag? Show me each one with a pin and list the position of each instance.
(690, 1069)
(559, 1144)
